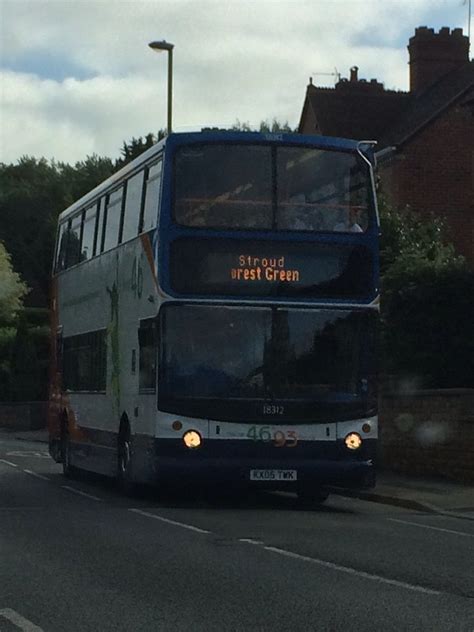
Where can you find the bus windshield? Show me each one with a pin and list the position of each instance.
(270, 188)
(226, 362)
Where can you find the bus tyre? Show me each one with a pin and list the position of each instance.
(312, 496)
(124, 462)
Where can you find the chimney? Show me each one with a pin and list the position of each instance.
(432, 55)
(354, 71)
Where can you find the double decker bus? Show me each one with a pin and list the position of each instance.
(215, 305)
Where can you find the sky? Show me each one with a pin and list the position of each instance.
(77, 76)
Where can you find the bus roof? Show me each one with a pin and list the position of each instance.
(213, 136)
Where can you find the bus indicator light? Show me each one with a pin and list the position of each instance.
(192, 439)
(176, 425)
(353, 441)
(366, 428)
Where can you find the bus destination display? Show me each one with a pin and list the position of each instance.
(285, 269)
(272, 269)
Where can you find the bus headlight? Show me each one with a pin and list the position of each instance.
(192, 439)
(353, 441)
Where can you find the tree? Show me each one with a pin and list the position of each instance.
(12, 288)
(12, 292)
(275, 126)
(407, 236)
(427, 306)
(86, 174)
(32, 194)
(265, 127)
(133, 148)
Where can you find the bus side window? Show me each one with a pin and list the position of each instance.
(88, 233)
(148, 354)
(114, 211)
(133, 203)
(73, 250)
(84, 362)
(99, 226)
(152, 196)
(62, 247)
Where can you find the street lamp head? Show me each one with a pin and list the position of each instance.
(159, 46)
(168, 47)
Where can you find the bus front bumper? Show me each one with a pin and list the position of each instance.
(318, 465)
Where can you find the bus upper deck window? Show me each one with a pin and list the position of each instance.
(152, 197)
(62, 247)
(73, 248)
(112, 226)
(133, 204)
(224, 186)
(318, 189)
(88, 233)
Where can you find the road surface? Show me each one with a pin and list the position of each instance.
(76, 555)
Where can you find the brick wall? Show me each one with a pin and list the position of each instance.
(434, 173)
(429, 433)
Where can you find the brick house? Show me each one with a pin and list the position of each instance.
(427, 133)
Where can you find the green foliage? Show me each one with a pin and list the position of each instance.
(32, 194)
(408, 238)
(81, 178)
(428, 323)
(12, 288)
(239, 126)
(265, 127)
(133, 148)
(24, 359)
(427, 306)
(7, 337)
(37, 316)
(275, 126)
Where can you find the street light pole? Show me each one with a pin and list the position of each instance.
(167, 46)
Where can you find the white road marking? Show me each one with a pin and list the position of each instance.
(78, 491)
(167, 520)
(24, 624)
(43, 478)
(27, 453)
(352, 571)
(8, 463)
(426, 526)
(250, 541)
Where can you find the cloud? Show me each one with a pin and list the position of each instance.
(100, 84)
(71, 119)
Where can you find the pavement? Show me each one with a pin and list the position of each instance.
(424, 494)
